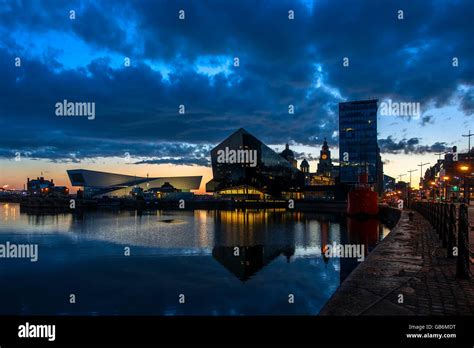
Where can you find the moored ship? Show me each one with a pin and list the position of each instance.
(362, 201)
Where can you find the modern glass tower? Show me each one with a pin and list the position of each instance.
(358, 140)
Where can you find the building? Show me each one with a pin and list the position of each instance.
(358, 149)
(244, 165)
(388, 183)
(42, 187)
(401, 187)
(449, 179)
(379, 188)
(102, 184)
(304, 166)
(325, 163)
(321, 185)
(289, 156)
(325, 173)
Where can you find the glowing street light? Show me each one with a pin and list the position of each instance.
(464, 168)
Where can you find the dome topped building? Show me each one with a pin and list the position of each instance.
(289, 156)
(287, 152)
(304, 166)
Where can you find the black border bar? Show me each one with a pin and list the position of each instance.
(237, 330)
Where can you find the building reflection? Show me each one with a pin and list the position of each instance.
(365, 232)
(244, 242)
(324, 239)
(250, 259)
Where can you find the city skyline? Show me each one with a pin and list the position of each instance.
(138, 129)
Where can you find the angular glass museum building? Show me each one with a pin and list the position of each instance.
(242, 161)
(100, 184)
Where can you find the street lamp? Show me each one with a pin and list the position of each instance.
(465, 168)
(409, 187)
(434, 189)
(446, 179)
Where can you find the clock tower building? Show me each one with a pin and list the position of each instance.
(325, 163)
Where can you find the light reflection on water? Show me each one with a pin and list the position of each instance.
(174, 252)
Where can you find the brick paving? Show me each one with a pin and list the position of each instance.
(411, 262)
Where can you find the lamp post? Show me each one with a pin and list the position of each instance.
(445, 181)
(469, 135)
(434, 189)
(465, 169)
(466, 186)
(409, 188)
(400, 176)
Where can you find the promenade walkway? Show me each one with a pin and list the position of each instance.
(409, 265)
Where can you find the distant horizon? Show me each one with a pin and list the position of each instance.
(151, 89)
(115, 165)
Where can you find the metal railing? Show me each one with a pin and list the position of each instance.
(442, 217)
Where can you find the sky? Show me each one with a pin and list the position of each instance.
(79, 51)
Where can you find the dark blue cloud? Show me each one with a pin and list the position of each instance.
(282, 62)
(411, 145)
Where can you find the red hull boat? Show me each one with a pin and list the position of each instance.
(362, 200)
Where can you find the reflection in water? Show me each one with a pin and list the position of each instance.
(324, 239)
(254, 257)
(244, 244)
(365, 232)
(259, 235)
(245, 261)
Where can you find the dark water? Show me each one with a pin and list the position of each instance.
(173, 253)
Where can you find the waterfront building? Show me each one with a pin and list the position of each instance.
(379, 166)
(39, 186)
(358, 149)
(401, 188)
(42, 187)
(102, 184)
(325, 173)
(450, 179)
(289, 156)
(304, 166)
(388, 183)
(243, 165)
(325, 162)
